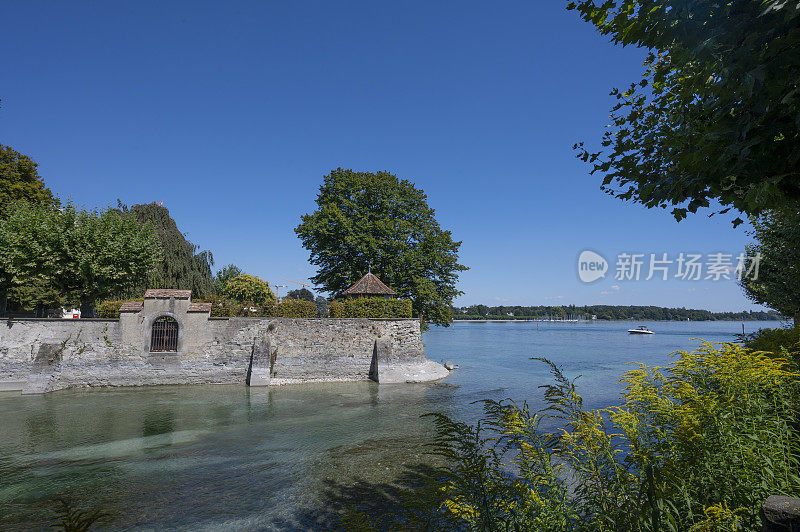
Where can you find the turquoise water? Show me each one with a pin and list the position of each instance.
(231, 457)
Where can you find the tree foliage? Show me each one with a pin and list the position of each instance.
(777, 284)
(249, 288)
(182, 266)
(81, 255)
(224, 275)
(20, 181)
(322, 307)
(368, 219)
(303, 294)
(714, 116)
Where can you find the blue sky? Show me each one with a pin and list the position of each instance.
(231, 114)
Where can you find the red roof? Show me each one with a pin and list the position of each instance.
(166, 293)
(369, 285)
(131, 306)
(199, 307)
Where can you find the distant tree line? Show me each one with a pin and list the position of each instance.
(608, 312)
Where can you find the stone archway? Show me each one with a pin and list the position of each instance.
(164, 335)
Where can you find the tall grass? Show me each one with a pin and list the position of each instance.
(696, 445)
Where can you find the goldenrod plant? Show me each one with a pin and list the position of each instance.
(696, 445)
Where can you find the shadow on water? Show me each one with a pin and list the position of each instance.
(384, 505)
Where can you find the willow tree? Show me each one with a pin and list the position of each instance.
(375, 220)
(714, 117)
(183, 265)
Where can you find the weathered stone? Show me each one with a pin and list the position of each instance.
(780, 514)
(449, 366)
(210, 350)
(259, 373)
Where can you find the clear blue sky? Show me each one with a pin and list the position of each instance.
(231, 113)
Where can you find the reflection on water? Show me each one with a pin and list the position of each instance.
(217, 457)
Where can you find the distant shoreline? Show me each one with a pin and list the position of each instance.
(573, 313)
(490, 320)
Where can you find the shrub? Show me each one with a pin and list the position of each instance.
(335, 309)
(222, 307)
(110, 308)
(696, 445)
(370, 307)
(249, 288)
(775, 341)
(295, 309)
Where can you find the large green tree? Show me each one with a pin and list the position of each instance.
(376, 220)
(83, 256)
(715, 115)
(20, 181)
(776, 284)
(183, 265)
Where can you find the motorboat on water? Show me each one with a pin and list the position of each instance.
(640, 330)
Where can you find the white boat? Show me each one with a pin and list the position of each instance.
(641, 330)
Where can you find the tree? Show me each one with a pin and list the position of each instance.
(376, 220)
(714, 117)
(19, 181)
(302, 294)
(182, 266)
(322, 307)
(777, 284)
(83, 256)
(224, 275)
(249, 288)
(478, 310)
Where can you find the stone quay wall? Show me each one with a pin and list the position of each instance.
(43, 355)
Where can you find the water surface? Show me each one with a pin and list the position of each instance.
(232, 457)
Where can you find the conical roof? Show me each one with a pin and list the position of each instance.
(369, 285)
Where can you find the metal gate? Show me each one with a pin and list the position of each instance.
(164, 337)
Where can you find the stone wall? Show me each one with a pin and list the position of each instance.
(41, 355)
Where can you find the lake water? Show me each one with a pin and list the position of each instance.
(232, 457)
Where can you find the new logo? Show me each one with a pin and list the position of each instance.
(591, 266)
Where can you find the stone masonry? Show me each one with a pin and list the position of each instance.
(43, 355)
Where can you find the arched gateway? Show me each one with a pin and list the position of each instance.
(164, 335)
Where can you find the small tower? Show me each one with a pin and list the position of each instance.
(369, 286)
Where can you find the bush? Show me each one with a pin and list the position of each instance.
(249, 288)
(110, 308)
(222, 307)
(775, 341)
(696, 445)
(295, 309)
(370, 307)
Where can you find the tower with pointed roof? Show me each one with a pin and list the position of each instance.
(369, 286)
